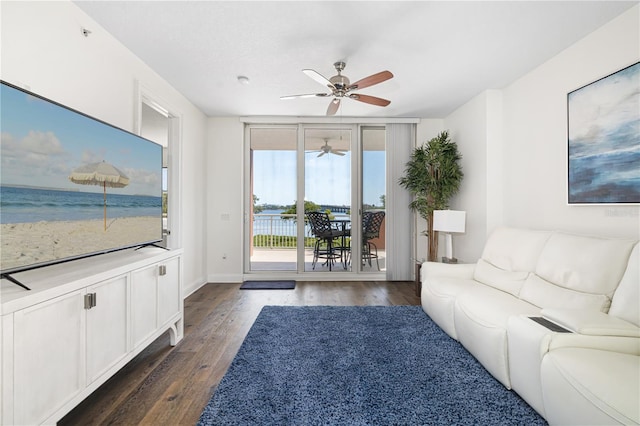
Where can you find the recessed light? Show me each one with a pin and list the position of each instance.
(243, 80)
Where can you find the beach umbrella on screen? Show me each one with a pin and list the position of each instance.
(102, 174)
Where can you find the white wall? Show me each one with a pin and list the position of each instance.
(476, 128)
(514, 145)
(535, 118)
(224, 182)
(44, 51)
(469, 128)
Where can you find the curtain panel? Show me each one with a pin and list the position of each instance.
(401, 140)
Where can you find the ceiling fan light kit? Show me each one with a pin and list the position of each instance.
(341, 87)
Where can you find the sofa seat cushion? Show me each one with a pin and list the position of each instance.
(591, 386)
(450, 287)
(491, 307)
(439, 294)
(480, 318)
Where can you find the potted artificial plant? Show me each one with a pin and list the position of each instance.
(433, 176)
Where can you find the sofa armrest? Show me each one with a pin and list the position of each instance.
(626, 345)
(593, 330)
(452, 270)
(592, 323)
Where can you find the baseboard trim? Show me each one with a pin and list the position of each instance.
(192, 288)
(225, 278)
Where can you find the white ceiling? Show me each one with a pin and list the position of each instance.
(441, 53)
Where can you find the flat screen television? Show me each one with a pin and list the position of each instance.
(71, 186)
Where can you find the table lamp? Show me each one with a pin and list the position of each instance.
(449, 221)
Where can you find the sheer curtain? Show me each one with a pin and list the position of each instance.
(400, 226)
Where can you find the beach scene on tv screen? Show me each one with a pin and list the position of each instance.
(71, 185)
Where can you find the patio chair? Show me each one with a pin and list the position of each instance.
(325, 234)
(371, 224)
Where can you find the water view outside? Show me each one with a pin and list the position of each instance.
(269, 226)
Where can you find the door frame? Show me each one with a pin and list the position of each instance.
(355, 274)
(174, 153)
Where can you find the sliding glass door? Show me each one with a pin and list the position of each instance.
(327, 189)
(297, 169)
(272, 231)
(373, 199)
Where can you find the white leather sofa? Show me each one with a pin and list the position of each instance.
(588, 285)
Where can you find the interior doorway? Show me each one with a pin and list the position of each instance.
(157, 123)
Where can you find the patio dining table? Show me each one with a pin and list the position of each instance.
(346, 231)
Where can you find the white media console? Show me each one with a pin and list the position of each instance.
(80, 323)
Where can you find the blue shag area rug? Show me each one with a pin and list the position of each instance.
(358, 365)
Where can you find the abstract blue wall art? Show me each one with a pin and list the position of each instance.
(604, 140)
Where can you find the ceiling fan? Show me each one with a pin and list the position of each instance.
(341, 87)
(327, 149)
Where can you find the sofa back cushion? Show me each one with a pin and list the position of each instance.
(585, 264)
(626, 299)
(512, 249)
(544, 294)
(491, 275)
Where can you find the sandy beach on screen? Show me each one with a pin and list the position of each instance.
(27, 243)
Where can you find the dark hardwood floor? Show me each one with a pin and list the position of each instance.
(167, 385)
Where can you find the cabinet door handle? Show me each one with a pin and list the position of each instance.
(162, 270)
(90, 300)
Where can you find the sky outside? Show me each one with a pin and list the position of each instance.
(42, 143)
(328, 179)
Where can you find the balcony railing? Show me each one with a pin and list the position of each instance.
(278, 231)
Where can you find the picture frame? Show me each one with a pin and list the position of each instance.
(603, 141)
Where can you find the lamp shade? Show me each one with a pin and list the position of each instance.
(449, 220)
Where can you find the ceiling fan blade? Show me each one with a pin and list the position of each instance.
(319, 78)
(309, 95)
(371, 80)
(333, 106)
(340, 153)
(321, 154)
(370, 99)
